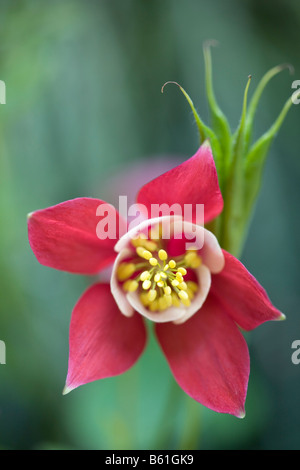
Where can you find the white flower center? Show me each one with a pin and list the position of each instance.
(160, 287)
(159, 280)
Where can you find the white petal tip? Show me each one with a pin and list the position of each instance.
(282, 317)
(30, 215)
(241, 415)
(206, 143)
(66, 390)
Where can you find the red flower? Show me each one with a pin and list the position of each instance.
(198, 298)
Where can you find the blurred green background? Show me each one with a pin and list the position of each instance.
(83, 107)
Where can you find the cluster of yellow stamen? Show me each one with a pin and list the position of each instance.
(160, 280)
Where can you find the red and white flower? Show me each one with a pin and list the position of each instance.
(198, 298)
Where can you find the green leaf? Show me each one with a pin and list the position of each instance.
(256, 98)
(256, 158)
(219, 122)
(205, 132)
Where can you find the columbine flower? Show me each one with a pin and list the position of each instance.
(197, 297)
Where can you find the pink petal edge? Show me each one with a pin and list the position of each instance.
(103, 342)
(209, 358)
(243, 298)
(65, 237)
(194, 182)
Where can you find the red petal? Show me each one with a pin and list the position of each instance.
(209, 358)
(243, 297)
(64, 236)
(193, 182)
(103, 342)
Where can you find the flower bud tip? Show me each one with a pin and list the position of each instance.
(167, 83)
(211, 43)
(290, 68)
(282, 317)
(206, 143)
(241, 415)
(66, 390)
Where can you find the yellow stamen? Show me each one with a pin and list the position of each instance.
(130, 285)
(146, 284)
(140, 250)
(175, 300)
(182, 271)
(194, 248)
(182, 286)
(149, 245)
(195, 263)
(147, 255)
(163, 303)
(139, 241)
(143, 253)
(145, 275)
(153, 306)
(163, 255)
(189, 257)
(151, 295)
(144, 299)
(168, 290)
(190, 293)
(193, 286)
(126, 285)
(183, 295)
(168, 300)
(161, 284)
(125, 270)
(186, 302)
(153, 261)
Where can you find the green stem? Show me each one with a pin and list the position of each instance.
(202, 128)
(232, 216)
